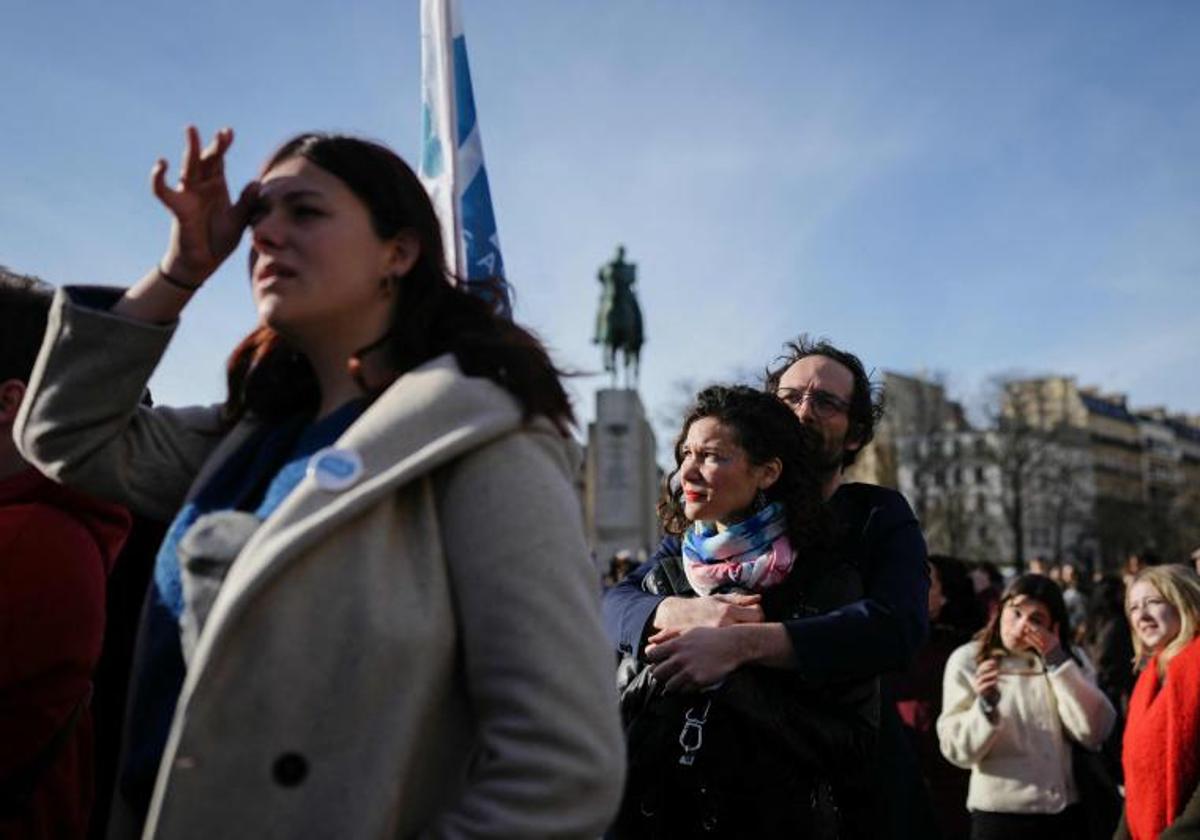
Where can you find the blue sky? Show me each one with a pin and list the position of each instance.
(968, 188)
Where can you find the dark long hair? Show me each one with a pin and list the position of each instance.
(430, 316)
(1038, 588)
(764, 428)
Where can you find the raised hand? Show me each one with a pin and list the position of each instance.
(206, 227)
(1041, 640)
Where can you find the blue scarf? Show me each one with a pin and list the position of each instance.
(753, 554)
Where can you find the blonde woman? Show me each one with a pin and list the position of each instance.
(1161, 752)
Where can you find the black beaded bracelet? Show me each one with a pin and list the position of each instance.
(176, 282)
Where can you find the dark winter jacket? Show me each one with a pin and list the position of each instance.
(774, 747)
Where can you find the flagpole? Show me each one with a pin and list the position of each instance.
(452, 163)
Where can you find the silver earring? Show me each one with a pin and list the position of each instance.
(760, 500)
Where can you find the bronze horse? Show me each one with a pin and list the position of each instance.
(619, 321)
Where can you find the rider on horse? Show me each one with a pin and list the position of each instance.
(619, 321)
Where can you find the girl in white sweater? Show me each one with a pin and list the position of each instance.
(1013, 699)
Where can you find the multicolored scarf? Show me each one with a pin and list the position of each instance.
(753, 554)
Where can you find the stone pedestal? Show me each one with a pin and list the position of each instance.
(622, 477)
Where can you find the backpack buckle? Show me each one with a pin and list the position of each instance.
(691, 737)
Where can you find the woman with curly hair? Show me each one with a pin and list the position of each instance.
(725, 739)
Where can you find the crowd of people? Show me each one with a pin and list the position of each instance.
(370, 609)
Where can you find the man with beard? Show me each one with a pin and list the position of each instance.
(830, 391)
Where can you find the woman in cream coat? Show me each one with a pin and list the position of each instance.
(1013, 700)
(376, 574)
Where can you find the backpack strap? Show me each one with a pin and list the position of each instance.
(673, 567)
(667, 578)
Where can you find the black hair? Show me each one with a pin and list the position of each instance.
(24, 310)
(764, 428)
(962, 610)
(866, 398)
(430, 316)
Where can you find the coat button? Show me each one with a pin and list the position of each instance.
(289, 769)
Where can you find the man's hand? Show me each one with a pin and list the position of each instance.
(696, 658)
(708, 611)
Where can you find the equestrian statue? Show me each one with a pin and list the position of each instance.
(619, 321)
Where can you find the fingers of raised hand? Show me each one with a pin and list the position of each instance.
(205, 168)
(1037, 638)
(158, 179)
(158, 183)
(190, 171)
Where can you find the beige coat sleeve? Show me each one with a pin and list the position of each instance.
(538, 667)
(1086, 714)
(82, 424)
(965, 733)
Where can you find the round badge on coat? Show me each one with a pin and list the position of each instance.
(335, 469)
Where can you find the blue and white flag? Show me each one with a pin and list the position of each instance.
(452, 167)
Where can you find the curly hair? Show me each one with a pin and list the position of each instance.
(866, 398)
(764, 428)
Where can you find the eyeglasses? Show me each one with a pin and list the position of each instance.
(823, 403)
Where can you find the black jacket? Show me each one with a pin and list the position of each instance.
(772, 746)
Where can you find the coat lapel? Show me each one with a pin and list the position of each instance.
(426, 418)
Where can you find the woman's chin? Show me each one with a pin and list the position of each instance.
(1154, 642)
(272, 313)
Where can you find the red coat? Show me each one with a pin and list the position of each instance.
(56, 548)
(1162, 739)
